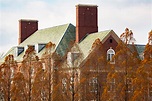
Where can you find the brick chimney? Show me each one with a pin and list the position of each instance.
(26, 28)
(86, 20)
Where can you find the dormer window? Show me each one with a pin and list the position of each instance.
(39, 47)
(19, 50)
(110, 54)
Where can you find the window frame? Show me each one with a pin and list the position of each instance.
(40, 46)
(111, 85)
(19, 50)
(93, 85)
(110, 54)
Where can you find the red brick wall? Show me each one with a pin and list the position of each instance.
(26, 28)
(107, 44)
(86, 20)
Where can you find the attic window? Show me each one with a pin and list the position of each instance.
(39, 47)
(19, 50)
(110, 40)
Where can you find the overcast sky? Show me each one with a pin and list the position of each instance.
(112, 14)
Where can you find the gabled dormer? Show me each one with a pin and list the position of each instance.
(74, 56)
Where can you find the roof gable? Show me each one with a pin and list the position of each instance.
(86, 44)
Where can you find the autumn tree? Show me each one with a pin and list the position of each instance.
(39, 88)
(48, 62)
(127, 37)
(1, 84)
(150, 38)
(143, 81)
(28, 68)
(7, 71)
(63, 89)
(18, 88)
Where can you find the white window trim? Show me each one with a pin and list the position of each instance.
(110, 52)
(37, 47)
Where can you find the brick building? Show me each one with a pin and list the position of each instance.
(78, 48)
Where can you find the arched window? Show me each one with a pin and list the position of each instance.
(110, 54)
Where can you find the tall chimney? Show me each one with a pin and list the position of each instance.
(26, 28)
(86, 20)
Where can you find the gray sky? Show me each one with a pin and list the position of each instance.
(112, 14)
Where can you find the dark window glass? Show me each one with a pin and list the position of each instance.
(110, 40)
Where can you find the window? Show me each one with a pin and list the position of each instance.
(64, 85)
(39, 47)
(110, 40)
(93, 85)
(129, 85)
(110, 54)
(19, 50)
(72, 84)
(111, 85)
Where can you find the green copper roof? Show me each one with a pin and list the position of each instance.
(86, 44)
(53, 34)
(60, 35)
(140, 48)
(64, 44)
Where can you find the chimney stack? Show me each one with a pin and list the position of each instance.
(26, 28)
(86, 20)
